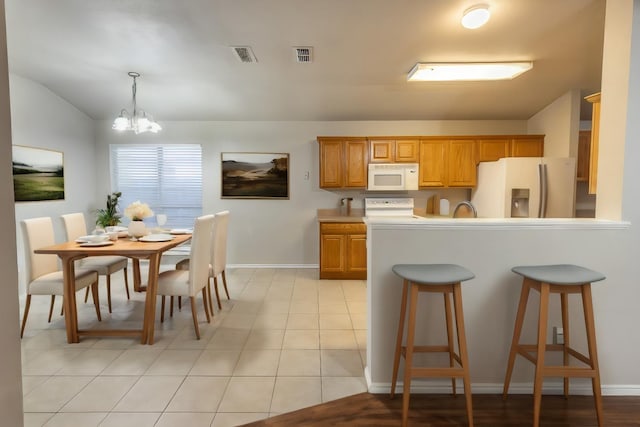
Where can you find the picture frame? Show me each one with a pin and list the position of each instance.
(38, 174)
(255, 175)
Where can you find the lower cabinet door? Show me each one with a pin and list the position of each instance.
(332, 254)
(343, 251)
(357, 256)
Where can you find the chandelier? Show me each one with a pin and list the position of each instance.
(138, 122)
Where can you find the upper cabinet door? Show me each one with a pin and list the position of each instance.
(356, 163)
(527, 147)
(331, 163)
(381, 151)
(490, 150)
(584, 148)
(595, 138)
(433, 161)
(407, 151)
(343, 162)
(462, 163)
(394, 150)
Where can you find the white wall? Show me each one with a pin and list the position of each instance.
(280, 232)
(560, 123)
(11, 367)
(491, 298)
(40, 118)
(617, 54)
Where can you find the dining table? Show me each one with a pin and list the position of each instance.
(150, 250)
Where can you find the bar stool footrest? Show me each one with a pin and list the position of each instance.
(526, 350)
(443, 372)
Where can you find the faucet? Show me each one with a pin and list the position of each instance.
(468, 205)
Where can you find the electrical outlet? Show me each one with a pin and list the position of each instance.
(558, 335)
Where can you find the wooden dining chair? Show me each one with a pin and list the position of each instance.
(42, 272)
(75, 226)
(194, 280)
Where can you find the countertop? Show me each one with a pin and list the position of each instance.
(358, 215)
(340, 215)
(423, 220)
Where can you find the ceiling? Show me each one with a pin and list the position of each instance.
(362, 52)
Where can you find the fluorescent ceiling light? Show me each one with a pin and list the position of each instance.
(470, 71)
(476, 16)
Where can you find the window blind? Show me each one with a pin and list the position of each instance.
(166, 177)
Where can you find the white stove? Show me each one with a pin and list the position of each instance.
(388, 207)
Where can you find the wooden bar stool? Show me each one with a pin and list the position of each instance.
(556, 279)
(438, 278)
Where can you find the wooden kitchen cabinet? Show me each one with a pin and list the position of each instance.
(343, 250)
(462, 163)
(595, 138)
(527, 146)
(393, 150)
(584, 149)
(433, 163)
(490, 150)
(447, 163)
(343, 162)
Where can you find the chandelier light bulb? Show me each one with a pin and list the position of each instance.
(138, 122)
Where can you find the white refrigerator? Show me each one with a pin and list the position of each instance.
(526, 187)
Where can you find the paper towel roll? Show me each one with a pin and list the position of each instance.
(444, 207)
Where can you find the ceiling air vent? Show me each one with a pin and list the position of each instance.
(303, 54)
(244, 53)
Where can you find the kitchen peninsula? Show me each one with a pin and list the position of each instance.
(490, 248)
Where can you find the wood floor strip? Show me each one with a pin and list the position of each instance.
(368, 409)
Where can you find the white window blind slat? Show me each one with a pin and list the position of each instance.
(166, 177)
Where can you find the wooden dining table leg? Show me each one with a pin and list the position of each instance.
(137, 280)
(150, 299)
(69, 300)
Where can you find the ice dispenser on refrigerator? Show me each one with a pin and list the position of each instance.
(519, 203)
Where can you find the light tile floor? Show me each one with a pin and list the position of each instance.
(285, 340)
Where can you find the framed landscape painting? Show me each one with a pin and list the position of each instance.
(255, 176)
(38, 174)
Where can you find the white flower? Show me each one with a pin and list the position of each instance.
(137, 210)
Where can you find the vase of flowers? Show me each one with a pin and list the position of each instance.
(109, 216)
(137, 211)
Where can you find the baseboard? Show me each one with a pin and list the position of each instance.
(230, 266)
(443, 386)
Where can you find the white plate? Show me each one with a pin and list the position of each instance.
(89, 244)
(87, 239)
(122, 231)
(181, 231)
(156, 238)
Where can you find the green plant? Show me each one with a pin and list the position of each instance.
(109, 216)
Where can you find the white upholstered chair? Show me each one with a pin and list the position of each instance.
(42, 272)
(218, 262)
(75, 226)
(190, 282)
(219, 256)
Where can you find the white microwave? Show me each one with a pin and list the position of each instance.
(392, 176)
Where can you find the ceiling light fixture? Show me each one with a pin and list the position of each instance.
(476, 16)
(138, 122)
(467, 71)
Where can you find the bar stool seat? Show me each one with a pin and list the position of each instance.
(562, 279)
(432, 278)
